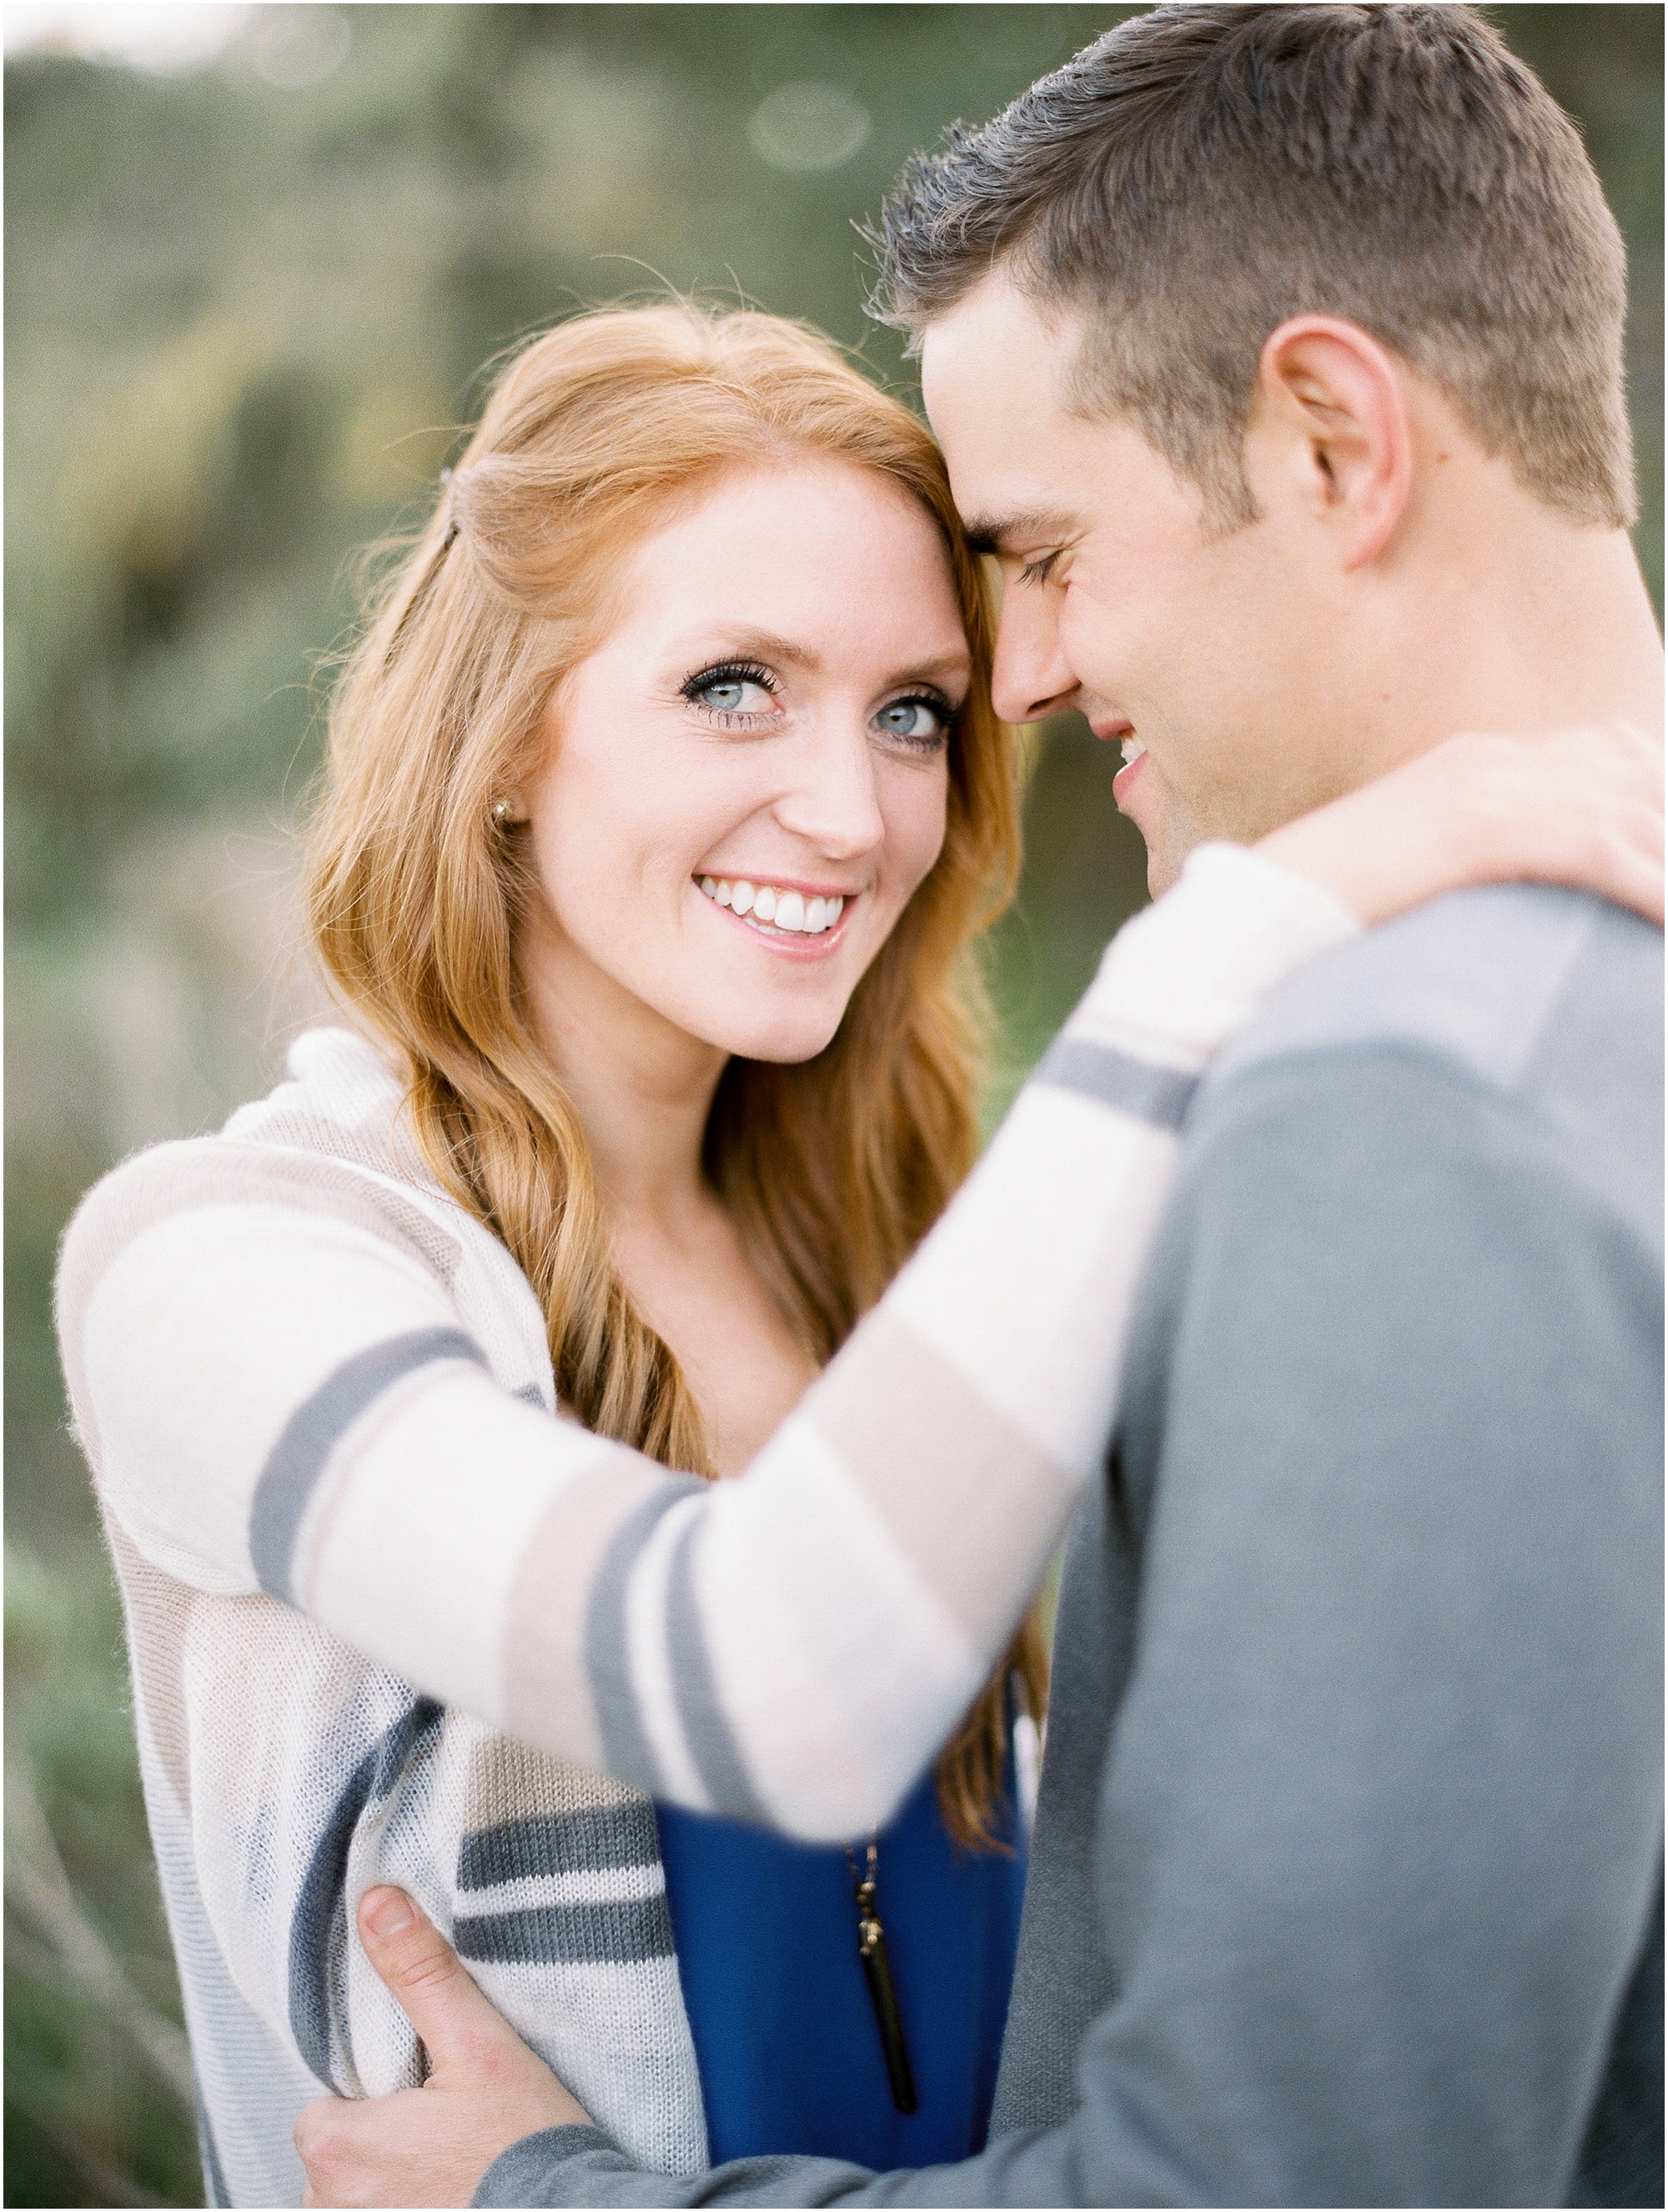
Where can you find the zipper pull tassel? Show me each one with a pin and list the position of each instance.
(883, 1994)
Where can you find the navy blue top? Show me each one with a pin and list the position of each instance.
(785, 2033)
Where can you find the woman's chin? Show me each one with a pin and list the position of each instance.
(784, 1039)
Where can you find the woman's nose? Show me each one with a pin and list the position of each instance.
(832, 804)
(1030, 677)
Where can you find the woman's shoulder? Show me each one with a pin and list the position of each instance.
(339, 1100)
(326, 1141)
(297, 1237)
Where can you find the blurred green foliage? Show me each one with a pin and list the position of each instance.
(246, 311)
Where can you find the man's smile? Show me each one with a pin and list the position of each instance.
(1123, 783)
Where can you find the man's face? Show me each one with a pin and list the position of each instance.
(1208, 654)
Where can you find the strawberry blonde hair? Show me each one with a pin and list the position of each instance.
(832, 1168)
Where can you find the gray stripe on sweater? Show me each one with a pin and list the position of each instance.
(539, 1846)
(626, 1754)
(706, 1731)
(318, 1927)
(1160, 1096)
(312, 1432)
(615, 1931)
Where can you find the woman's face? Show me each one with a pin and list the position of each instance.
(745, 782)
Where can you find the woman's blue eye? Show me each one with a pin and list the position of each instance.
(732, 691)
(917, 721)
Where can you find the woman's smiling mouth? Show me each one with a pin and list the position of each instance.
(769, 904)
(781, 914)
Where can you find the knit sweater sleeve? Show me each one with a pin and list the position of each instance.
(276, 1393)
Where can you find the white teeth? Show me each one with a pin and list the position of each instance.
(1133, 747)
(790, 910)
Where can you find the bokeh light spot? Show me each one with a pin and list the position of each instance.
(807, 127)
(291, 47)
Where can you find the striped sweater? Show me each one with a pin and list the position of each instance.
(391, 1616)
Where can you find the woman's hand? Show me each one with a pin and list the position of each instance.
(1582, 807)
(485, 2089)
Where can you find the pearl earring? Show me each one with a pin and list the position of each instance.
(503, 812)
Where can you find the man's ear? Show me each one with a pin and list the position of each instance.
(1332, 394)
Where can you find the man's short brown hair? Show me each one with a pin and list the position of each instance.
(1205, 171)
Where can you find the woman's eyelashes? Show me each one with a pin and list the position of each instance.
(733, 691)
(920, 720)
(742, 694)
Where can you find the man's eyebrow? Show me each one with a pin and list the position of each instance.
(991, 533)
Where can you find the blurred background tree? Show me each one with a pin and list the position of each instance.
(256, 261)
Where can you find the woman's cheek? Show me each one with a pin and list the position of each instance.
(921, 829)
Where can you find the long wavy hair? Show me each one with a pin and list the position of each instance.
(832, 1168)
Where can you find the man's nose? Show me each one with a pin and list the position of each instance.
(832, 804)
(1030, 676)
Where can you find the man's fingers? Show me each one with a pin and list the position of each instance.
(380, 2152)
(1639, 884)
(488, 2090)
(324, 2136)
(434, 1992)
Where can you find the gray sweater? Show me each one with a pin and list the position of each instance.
(1346, 1885)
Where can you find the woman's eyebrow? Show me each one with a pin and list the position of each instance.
(941, 668)
(766, 646)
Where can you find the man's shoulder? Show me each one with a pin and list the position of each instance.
(1452, 1126)
(1548, 1001)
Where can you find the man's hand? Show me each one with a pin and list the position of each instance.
(485, 2089)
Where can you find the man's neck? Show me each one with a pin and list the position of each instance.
(1543, 626)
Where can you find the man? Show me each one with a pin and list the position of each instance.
(1275, 353)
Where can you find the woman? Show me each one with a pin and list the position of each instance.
(666, 800)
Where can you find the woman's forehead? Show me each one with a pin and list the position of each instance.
(798, 557)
